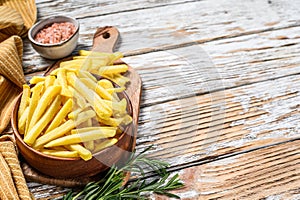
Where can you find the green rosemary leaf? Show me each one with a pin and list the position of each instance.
(90, 193)
(90, 187)
(68, 196)
(132, 196)
(114, 187)
(170, 195)
(173, 180)
(90, 184)
(133, 186)
(93, 196)
(135, 168)
(111, 186)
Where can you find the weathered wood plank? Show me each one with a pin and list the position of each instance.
(235, 137)
(45, 192)
(268, 173)
(237, 119)
(252, 50)
(86, 9)
(217, 65)
(179, 24)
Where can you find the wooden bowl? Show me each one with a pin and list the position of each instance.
(76, 167)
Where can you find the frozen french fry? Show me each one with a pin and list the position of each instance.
(97, 88)
(79, 100)
(93, 63)
(49, 81)
(36, 79)
(55, 133)
(42, 123)
(113, 69)
(92, 53)
(60, 153)
(62, 80)
(67, 107)
(78, 64)
(99, 61)
(110, 88)
(105, 83)
(117, 106)
(84, 153)
(86, 74)
(86, 65)
(60, 148)
(112, 56)
(115, 90)
(116, 122)
(81, 137)
(74, 114)
(72, 64)
(88, 123)
(83, 52)
(69, 69)
(79, 57)
(97, 128)
(35, 97)
(23, 102)
(89, 145)
(115, 56)
(84, 116)
(64, 128)
(104, 144)
(54, 72)
(121, 80)
(117, 78)
(49, 95)
(99, 106)
(22, 121)
(127, 119)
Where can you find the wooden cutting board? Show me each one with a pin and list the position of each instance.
(104, 40)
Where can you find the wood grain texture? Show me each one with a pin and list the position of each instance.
(238, 90)
(169, 24)
(107, 7)
(218, 65)
(193, 129)
(264, 174)
(186, 130)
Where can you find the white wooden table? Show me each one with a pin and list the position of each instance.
(221, 82)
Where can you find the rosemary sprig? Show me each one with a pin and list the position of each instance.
(111, 186)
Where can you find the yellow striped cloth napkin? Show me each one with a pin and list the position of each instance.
(12, 181)
(17, 16)
(9, 92)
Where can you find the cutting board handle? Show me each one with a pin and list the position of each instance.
(105, 39)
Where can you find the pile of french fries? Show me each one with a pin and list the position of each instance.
(70, 113)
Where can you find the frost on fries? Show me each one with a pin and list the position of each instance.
(71, 113)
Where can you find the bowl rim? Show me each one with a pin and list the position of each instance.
(74, 22)
(14, 123)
